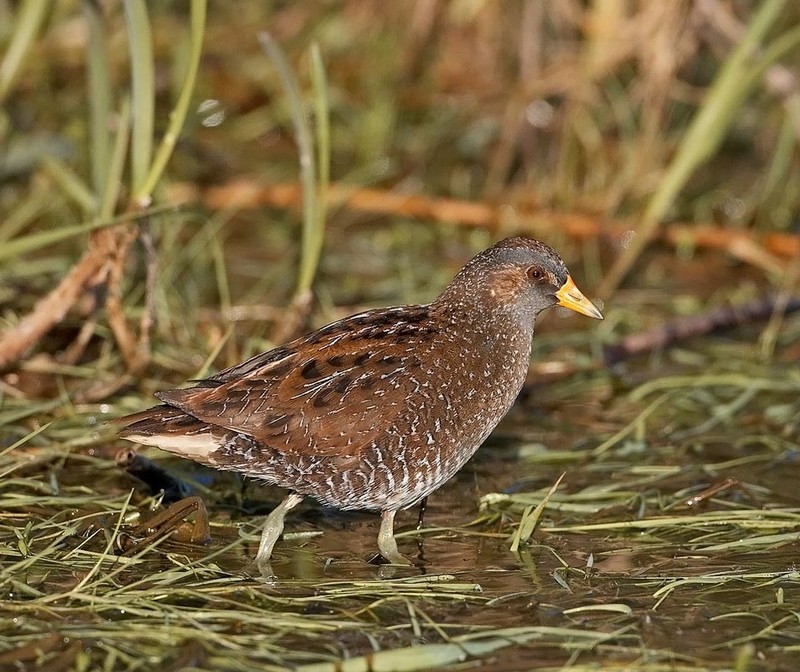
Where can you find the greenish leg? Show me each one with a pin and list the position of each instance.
(387, 544)
(273, 528)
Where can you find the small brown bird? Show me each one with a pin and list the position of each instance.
(377, 410)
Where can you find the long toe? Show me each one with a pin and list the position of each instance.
(259, 570)
(394, 558)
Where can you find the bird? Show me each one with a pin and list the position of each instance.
(377, 410)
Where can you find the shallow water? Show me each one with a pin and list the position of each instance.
(715, 607)
(654, 597)
(623, 569)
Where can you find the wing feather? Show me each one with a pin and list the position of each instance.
(330, 393)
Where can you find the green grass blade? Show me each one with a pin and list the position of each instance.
(308, 169)
(36, 241)
(530, 518)
(99, 96)
(316, 236)
(704, 135)
(178, 114)
(71, 184)
(117, 162)
(143, 89)
(31, 16)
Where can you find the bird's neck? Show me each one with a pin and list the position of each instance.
(489, 326)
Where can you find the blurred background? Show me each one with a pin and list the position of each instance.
(590, 125)
(184, 186)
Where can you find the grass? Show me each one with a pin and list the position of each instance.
(670, 542)
(620, 544)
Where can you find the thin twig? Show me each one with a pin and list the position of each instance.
(683, 328)
(763, 251)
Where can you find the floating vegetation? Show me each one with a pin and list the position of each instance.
(637, 510)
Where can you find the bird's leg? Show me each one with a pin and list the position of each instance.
(387, 544)
(273, 528)
(423, 507)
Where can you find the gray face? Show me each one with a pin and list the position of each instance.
(517, 275)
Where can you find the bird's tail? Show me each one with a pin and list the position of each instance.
(171, 429)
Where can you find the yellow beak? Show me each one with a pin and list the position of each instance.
(571, 297)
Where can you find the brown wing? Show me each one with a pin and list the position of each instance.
(331, 392)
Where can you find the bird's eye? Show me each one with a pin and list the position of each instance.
(535, 273)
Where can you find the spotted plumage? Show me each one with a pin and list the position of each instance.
(377, 410)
